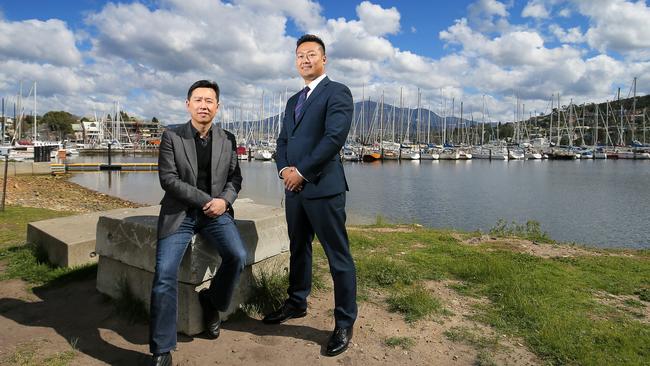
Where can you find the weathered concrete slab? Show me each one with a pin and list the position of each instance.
(24, 168)
(130, 237)
(113, 274)
(68, 241)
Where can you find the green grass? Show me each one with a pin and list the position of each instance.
(28, 263)
(14, 219)
(467, 336)
(384, 271)
(268, 293)
(644, 294)
(402, 342)
(26, 355)
(549, 303)
(531, 230)
(414, 303)
(484, 359)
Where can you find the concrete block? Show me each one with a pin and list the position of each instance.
(112, 274)
(41, 168)
(11, 168)
(68, 241)
(131, 239)
(23, 168)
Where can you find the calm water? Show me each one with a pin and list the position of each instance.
(601, 203)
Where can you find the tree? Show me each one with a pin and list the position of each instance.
(154, 120)
(59, 121)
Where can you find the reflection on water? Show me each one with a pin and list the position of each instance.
(602, 203)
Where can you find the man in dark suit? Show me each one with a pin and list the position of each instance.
(315, 126)
(200, 175)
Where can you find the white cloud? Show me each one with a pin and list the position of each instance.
(488, 8)
(376, 20)
(617, 25)
(572, 35)
(488, 15)
(514, 48)
(305, 13)
(145, 57)
(35, 40)
(535, 9)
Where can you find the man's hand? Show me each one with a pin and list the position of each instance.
(215, 207)
(292, 180)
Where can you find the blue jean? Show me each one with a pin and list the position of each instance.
(219, 232)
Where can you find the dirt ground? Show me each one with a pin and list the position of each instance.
(77, 322)
(57, 193)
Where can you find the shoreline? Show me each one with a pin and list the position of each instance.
(58, 193)
(448, 297)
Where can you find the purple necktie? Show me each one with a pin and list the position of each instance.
(301, 102)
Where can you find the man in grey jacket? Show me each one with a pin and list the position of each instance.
(199, 172)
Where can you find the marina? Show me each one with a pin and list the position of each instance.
(595, 202)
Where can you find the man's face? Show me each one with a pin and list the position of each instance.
(203, 105)
(310, 61)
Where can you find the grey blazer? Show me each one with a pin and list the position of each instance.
(177, 170)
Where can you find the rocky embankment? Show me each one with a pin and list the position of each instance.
(57, 193)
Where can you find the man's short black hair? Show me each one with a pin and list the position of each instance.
(204, 84)
(310, 38)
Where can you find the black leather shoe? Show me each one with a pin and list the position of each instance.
(211, 319)
(339, 341)
(161, 359)
(283, 314)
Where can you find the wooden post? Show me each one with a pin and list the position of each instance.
(4, 184)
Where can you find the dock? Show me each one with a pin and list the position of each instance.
(59, 168)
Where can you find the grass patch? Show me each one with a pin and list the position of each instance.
(384, 272)
(402, 342)
(268, 293)
(531, 230)
(547, 302)
(14, 219)
(467, 336)
(26, 355)
(28, 263)
(484, 359)
(414, 303)
(634, 303)
(644, 294)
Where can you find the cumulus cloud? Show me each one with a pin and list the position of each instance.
(145, 57)
(376, 20)
(617, 25)
(535, 9)
(40, 41)
(488, 15)
(571, 35)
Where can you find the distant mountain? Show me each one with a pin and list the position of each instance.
(367, 119)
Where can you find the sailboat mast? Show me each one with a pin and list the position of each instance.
(381, 125)
(429, 125)
(417, 125)
(483, 122)
(35, 124)
(633, 122)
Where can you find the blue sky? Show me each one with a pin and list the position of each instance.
(86, 54)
